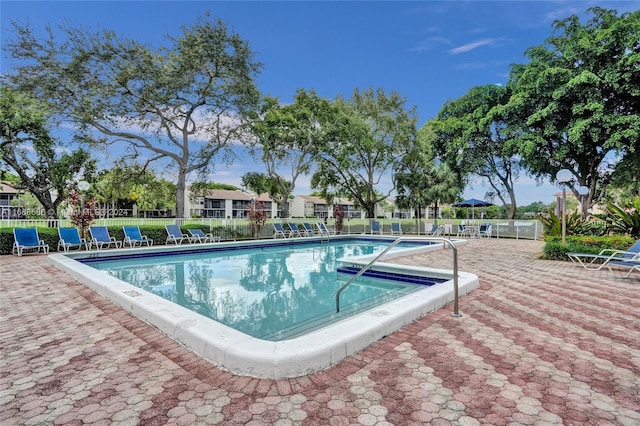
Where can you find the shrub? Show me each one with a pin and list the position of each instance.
(552, 225)
(554, 250)
(624, 218)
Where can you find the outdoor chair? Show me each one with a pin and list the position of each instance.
(435, 230)
(134, 237)
(375, 227)
(396, 229)
(485, 230)
(278, 231)
(323, 230)
(293, 230)
(308, 229)
(633, 265)
(465, 231)
(198, 235)
(598, 261)
(175, 235)
(100, 238)
(70, 240)
(29, 240)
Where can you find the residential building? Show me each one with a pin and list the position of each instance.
(316, 207)
(7, 194)
(226, 204)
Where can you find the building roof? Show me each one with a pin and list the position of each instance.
(321, 201)
(227, 194)
(7, 189)
(313, 199)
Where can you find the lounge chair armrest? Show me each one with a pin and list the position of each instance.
(607, 252)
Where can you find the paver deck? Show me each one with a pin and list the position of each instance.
(541, 342)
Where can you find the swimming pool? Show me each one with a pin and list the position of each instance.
(299, 353)
(272, 293)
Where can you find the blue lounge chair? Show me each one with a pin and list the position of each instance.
(175, 235)
(598, 261)
(435, 230)
(134, 237)
(485, 230)
(396, 229)
(293, 230)
(323, 230)
(375, 227)
(278, 231)
(633, 265)
(308, 229)
(70, 240)
(29, 240)
(101, 239)
(198, 235)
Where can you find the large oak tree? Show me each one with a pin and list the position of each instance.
(286, 140)
(183, 101)
(579, 99)
(473, 137)
(27, 147)
(422, 180)
(368, 135)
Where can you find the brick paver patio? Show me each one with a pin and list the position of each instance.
(540, 342)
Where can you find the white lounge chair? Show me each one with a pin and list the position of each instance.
(631, 264)
(133, 237)
(375, 227)
(323, 230)
(29, 240)
(198, 235)
(396, 229)
(308, 229)
(598, 261)
(175, 235)
(435, 230)
(485, 230)
(293, 230)
(101, 239)
(278, 231)
(70, 240)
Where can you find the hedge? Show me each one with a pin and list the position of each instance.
(554, 250)
(157, 233)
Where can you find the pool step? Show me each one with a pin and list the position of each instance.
(394, 276)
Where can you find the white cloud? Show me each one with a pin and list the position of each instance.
(471, 46)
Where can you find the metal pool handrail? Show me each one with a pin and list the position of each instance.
(455, 312)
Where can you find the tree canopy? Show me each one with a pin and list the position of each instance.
(285, 139)
(133, 184)
(183, 102)
(368, 133)
(473, 136)
(421, 180)
(579, 99)
(28, 148)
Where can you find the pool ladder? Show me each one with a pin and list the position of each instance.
(368, 266)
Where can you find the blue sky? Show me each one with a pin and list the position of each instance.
(428, 51)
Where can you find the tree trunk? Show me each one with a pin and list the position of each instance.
(180, 191)
(371, 211)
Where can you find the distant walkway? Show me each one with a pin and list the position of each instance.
(540, 342)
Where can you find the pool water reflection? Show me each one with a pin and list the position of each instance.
(272, 293)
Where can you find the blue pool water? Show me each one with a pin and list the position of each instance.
(268, 292)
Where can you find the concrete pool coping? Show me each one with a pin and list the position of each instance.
(245, 355)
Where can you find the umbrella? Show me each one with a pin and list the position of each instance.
(473, 202)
